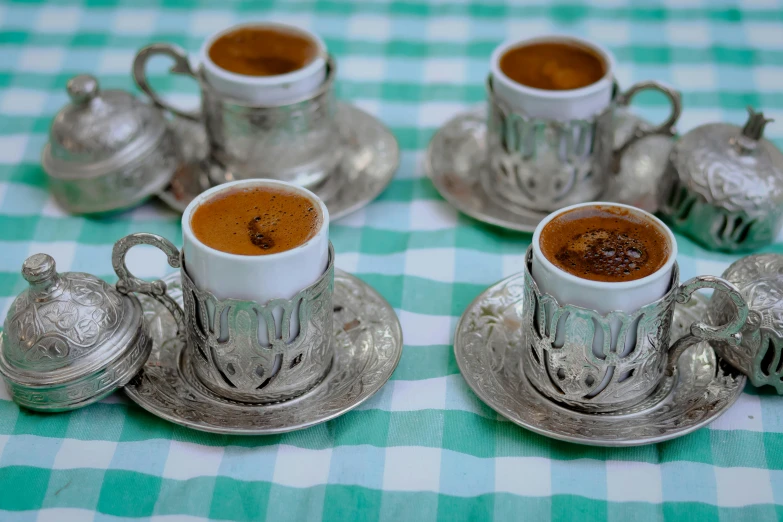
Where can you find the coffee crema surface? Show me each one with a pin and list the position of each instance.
(553, 66)
(262, 51)
(602, 243)
(256, 221)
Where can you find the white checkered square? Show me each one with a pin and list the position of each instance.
(693, 76)
(450, 29)
(517, 29)
(205, 22)
(115, 61)
(23, 102)
(3, 438)
(739, 487)
(688, 33)
(746, 412)
(41, 59)
(768, 78)
(412, 468)
(628, 481)
(369, 27)
(63, 252)
(65, 514)
(187, 460)
(432, 215)
(302, 468)
(426, 394)
(361, 68)
(445, 70)
(524, 476)
(135, 21)
(513, 263)
(764, 35)
(431, 263)
(55, 19)
(425, 330)
(74, 453)
(434, 114)
(608, 32)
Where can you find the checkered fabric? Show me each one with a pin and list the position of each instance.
(424, 448)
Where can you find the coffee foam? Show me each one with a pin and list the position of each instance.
(607, 244)
(256, 221)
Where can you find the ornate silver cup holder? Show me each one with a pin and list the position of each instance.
(369, 160)
(209, 370)
(493, 351)
(457, 164)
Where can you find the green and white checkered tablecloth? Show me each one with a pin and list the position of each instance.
(424, 448)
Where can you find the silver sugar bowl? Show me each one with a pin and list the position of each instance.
(107, 150)
(760, 281)
(724, 186)
(70, 339)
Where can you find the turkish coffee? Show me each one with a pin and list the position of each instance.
(602, 243)
(262, 51)
(256, 221)
(553, 66)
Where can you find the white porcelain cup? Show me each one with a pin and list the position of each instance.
(256, 278)
(601, 296)
(266, 90)
(573, 104)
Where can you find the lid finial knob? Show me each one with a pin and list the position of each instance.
(82, 88)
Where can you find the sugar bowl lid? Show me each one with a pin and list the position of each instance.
(760, 281)
(69, 339)
(732, 167)
(99, 131)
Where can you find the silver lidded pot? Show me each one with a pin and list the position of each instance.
(760, 281)
(724, 186)
(107, 150)
(70, 339)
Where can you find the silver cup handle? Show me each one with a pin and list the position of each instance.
(128, 283)
(699, 331)
(666, 128)
(181, 66)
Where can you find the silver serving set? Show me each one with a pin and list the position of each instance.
(564, 371)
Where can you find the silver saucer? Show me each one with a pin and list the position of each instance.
(368, 346)
(455, 161)
(487, 347)
(370, 159)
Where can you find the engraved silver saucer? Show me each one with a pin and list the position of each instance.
(368, 346)
(487, 348)
(370, 158)
(456, 159)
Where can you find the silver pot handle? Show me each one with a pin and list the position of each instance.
(181, 66)
(699, 331)
(666, 128)
(128, 283)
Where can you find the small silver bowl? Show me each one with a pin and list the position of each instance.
(724, 186)
(760, 281)
(107, 150)
(70, 339)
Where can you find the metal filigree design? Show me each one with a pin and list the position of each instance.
(59, 318)
(559, 344)
(367, 342)
(232, 359)
(297, 142)
(543, 165)
(457, 163)
(370, 155)
(489, 350)
(725, 188)
(760, 354)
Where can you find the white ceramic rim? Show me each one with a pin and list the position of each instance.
(497, 73)
(187, 231)
(265, 81)
(619, 285)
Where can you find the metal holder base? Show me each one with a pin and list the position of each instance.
(488, 348)
(370, 156)
(367, 342)
(456, 164)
